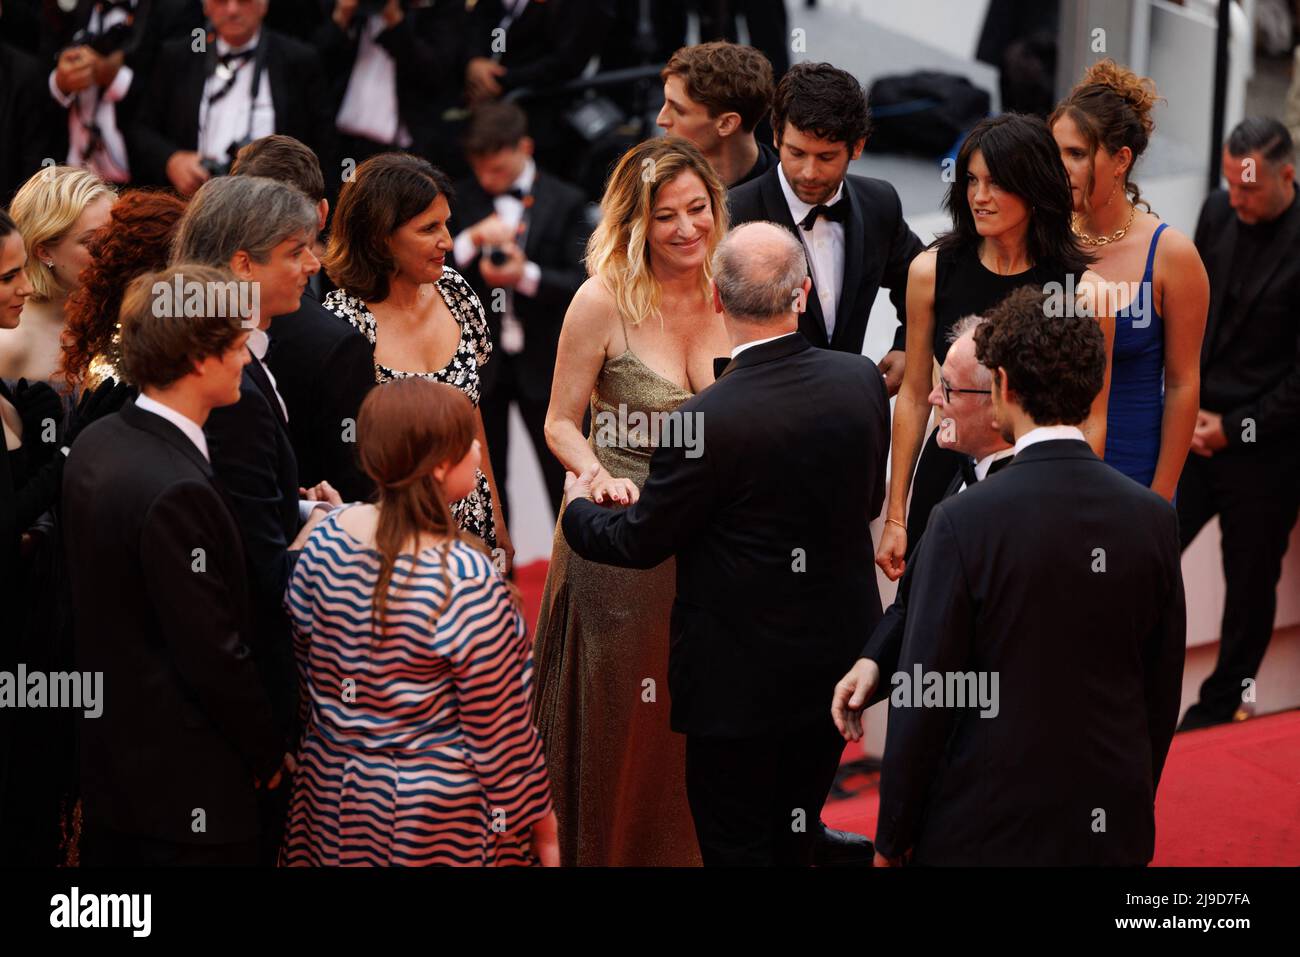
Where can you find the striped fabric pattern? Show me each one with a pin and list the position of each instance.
(418, 748)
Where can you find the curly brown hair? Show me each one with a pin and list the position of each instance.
(1055, 366)
(135, 240)
(725, 78)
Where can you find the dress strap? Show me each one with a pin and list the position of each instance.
(1151, 253)
(627, 343)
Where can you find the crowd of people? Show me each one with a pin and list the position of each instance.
(256, 447)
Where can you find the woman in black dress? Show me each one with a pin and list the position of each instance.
(387, 254)
(1010, 205)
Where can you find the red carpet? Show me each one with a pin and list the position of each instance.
(1229, 797)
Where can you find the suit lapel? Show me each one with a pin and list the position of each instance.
(160, 427)
(854, 242)
(257, 374)
(811, 321)
(1283, 245)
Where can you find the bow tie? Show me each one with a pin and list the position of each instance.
(838, 213)
(230, 56)
(719, 364)
(968, 468)
(516, 192)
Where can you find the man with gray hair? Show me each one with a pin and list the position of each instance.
(769, 519)
(963, 396)
(261, 231)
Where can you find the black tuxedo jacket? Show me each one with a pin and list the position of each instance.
(27, 116)
(776, 583)
(323, 368)
(159, 583)
(253, 458)
(167, 119)
(878, 248)
(1061, 577)
(425, 48)
(556, 239)
(1250, 361)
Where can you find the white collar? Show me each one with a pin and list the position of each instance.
(258, 343)
(526, 179)
(223, 47)
(192, 430)
(798, 208)
(983, 465)
(1048, 433)
(758, 342)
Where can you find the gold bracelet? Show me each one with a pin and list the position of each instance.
(895, 521)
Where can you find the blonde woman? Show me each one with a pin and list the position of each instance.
(640, 337)
(57, 212)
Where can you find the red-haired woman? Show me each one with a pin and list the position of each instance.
(416, 672)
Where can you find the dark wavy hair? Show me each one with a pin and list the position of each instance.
(1023, 159)
(135, 240)
(823, 100)
(385, 191)
(1055, 366)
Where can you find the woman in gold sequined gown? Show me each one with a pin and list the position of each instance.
(640, 336)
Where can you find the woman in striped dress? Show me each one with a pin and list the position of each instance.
(416, 673)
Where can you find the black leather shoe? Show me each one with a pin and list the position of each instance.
(832, 848)
(1200, 717)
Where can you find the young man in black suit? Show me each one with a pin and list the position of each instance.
(963, 396)
(774, 581)
(1038, 683)
(323, 367)
(200, 106)
(1246, 446)
(261, 231)
(170, 769)
(714, 95)
(851, 227)
(520, 238)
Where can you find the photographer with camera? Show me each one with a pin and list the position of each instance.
(522, 254)
(246, 82)
(101, 53)
(387, 59)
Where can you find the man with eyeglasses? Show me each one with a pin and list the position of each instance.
(966, 425)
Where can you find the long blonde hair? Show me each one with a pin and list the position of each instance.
(45, 208)
(618, 253)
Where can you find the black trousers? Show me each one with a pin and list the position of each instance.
(104, 848)
(1256, 494)
(756, 801)
(495, 406)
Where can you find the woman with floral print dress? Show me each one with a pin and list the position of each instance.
(387, 253)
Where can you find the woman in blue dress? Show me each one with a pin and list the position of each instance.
(1152, 272)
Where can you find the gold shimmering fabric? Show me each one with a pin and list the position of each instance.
(618, 774)
(102, 367)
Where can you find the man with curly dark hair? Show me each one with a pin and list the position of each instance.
(715, 94)
(852, 227)
(1039, 680)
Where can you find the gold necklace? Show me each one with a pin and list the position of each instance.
(1094, 241)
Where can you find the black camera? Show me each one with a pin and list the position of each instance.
(496, 255)
(107, 43)
(217, 168)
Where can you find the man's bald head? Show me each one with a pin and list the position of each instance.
(759, 271)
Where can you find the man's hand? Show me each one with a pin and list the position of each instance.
(579, 486)
(393, 13)
(893, 546)
(287, 764)
(75, 70)
(881, 861)
(851, 695)
(508, 274)
(344, 11)
(322, 492)
(186, 172)
(491, 230)
(1208, 437)
(481, 79)
(891, 366)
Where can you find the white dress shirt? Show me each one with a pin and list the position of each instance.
(369, 108)
(983, 465)
(824, 244)
(192, 430)
(510, 211)
(758, 342)
(258, 343)
(1046, 433)
(99, 107)
(227, 120)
